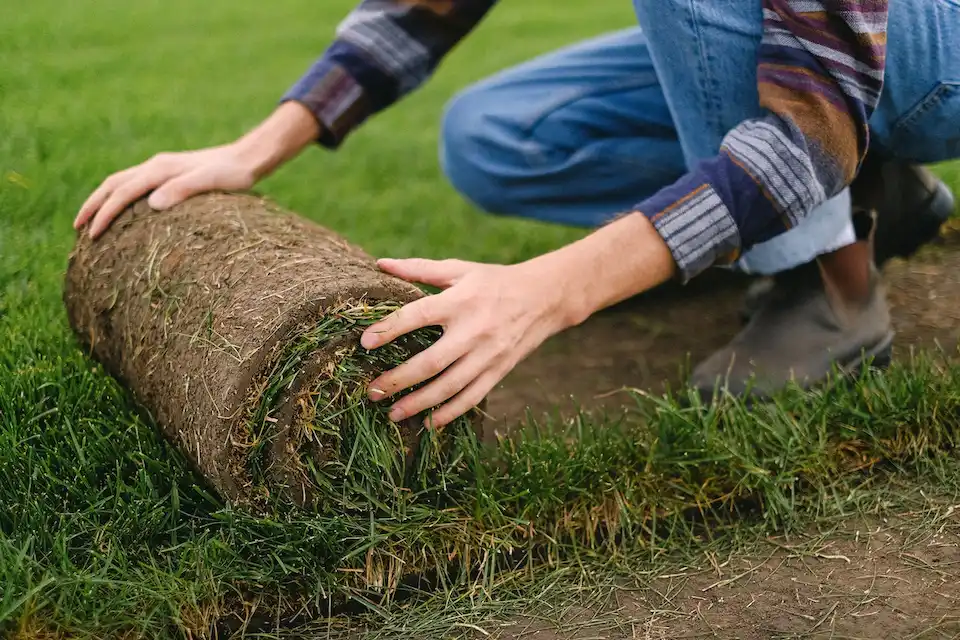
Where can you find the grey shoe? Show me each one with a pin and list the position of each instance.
(801, 333)
(911, 204)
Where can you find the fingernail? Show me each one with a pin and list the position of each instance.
(368, 341)
(158, 204)
(396, 415)
(376, 394)
(386, 263)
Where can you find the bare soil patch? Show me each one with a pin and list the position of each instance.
(872, 579)
(652, 341)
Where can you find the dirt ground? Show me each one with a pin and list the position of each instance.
(872, 580)
(876, 580)
(653, 340)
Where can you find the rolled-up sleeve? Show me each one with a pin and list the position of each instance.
(383, 50)
(820, 74)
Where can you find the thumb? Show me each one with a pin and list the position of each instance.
(175, 191)
(436, 273)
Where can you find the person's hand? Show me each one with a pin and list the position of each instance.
(492, 317)
(172, 177)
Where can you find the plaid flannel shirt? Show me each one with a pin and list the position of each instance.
(820, 73)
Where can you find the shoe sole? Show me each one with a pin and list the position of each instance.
(879, 357)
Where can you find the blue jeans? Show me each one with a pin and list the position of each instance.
(585, 133)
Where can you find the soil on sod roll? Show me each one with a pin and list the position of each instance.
(237, 324)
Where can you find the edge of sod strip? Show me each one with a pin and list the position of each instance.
(578, 490)
(559, 491)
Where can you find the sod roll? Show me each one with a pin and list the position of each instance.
(236, 325)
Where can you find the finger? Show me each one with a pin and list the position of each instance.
(96, 199)
(420, 368)
(436, 273)
(172, 193)
(123, 196)
(425, 312)
(464, 401)
(449, 384)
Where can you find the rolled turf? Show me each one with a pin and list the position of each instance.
(237, 324)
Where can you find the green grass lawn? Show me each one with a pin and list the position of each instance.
(102, 530)
(90, 88)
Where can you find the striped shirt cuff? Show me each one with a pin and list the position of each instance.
(697, 228)
(335, 98)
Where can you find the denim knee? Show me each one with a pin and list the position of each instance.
(468, 153)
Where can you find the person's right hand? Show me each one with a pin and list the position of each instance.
(173, 177)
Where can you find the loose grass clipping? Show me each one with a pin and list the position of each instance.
(237, 325)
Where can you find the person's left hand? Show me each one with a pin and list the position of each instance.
(492, 317)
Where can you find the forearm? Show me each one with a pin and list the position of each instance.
(278, 139)
(618, 261)
(384, 50)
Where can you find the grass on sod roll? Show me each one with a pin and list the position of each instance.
(337, 410)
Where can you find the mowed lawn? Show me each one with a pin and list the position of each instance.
(102, 530)
(98, 527)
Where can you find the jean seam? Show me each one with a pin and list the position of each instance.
(931, 100)
(709, 85)
(571, 97)
(532, 147)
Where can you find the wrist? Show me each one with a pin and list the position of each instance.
(556, 280)
(623, 259)
(278, 139)
(256, 158)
